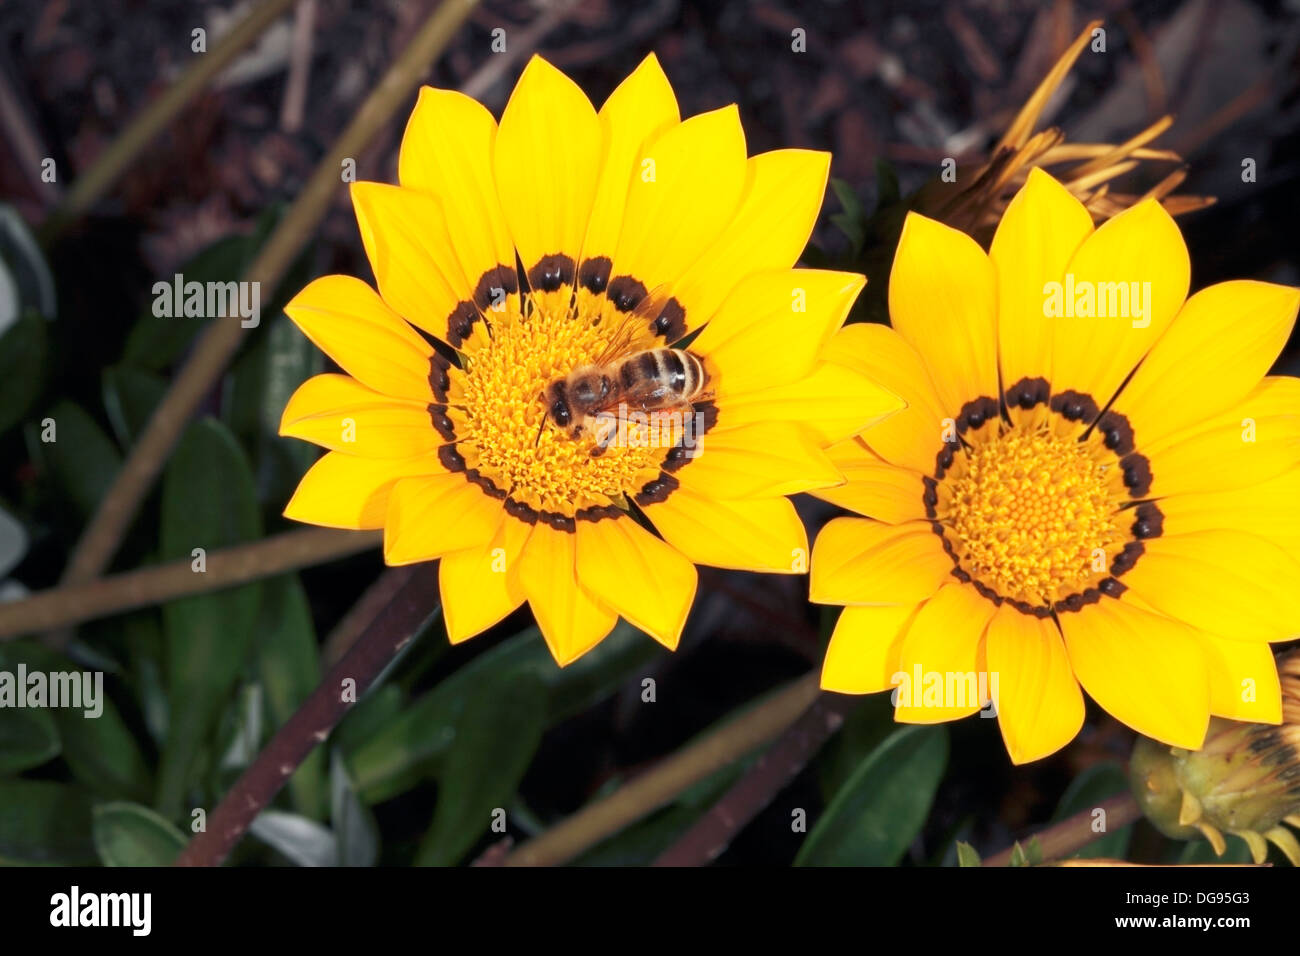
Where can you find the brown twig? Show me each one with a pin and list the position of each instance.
(72, 604)
(387, 634)
(300, 52)
(1072, 834)
(659, 785)
(218, 344)
(373, 600)
(771, 773)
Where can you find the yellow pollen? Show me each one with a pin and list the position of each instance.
(534, 340)
(1029, 514)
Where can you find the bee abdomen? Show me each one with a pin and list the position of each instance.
(682, 371)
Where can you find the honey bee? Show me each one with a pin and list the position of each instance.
(645, 380)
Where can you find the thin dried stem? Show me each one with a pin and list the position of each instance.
(659, 785)
(1076, 832)
(75, 603)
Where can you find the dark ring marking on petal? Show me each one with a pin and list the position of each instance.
(461, 323)
(626, 293)
(1074, 406)
(551, 273)
(1077, 602)
(558, 521)
(1137, 474)
(1028, 392)
(439, 380)
(494, 285)
(988, 593)
(1111, 587)
(656, 490)
(1148, 521)
(594, 274)
(670, 322)
(598, 513)
(975, 413)
(451, 459)
(961, 575)
(930, 497)
(489, 487)
(680, 454)
(517, 509)
(1116, 433)
(441, 423)
(943, 460)
(1126, 559)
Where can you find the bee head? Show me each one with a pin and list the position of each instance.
(558, 405)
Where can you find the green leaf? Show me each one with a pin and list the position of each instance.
(44, 823)
(1087, 792)
(395, 757)
(288, 664)
(1018, 855)
(354, 827)
(28, 737)
(208, 502)
(852, 221)
(966, 855)
(100, 751)
(302, 841)
(127, 834)
(887, 190)
(367, 717)
(130, 396)
(82, 460)
(495, 740)
(26, 265)
(23, 348)
(881, 808)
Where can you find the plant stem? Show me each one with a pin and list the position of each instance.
(759, 786)
(217, 345)
(74, 603)
(659, 785)
(91, 185)
(1076, 832)
(387, 634)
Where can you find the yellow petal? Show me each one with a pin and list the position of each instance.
(1216, 351)
(547, 158)
(413, 257)
(339, 413)
(833, 401)
(753, 534)
(571, 620)
(480, 586)
(343, 491)
(791, 313)
(1267, 510)
(769, 230)
(862, 657)
(644, 579)
(1225, 582)
(1039, 704)
(1145, 669)
(447, 150)
(430, 517)
(1244, 683)
(346, 320)
(914, 436)
(1039, 232)
(760, 460)
(943, 300)
(685, 190)
(1255, 441)
(1142, 245)
(873, 487)
(858, 561)
(943, 647)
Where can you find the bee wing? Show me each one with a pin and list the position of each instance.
(632, 331)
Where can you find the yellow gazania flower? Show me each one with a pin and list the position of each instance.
(633, 229)
(1116, 501)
